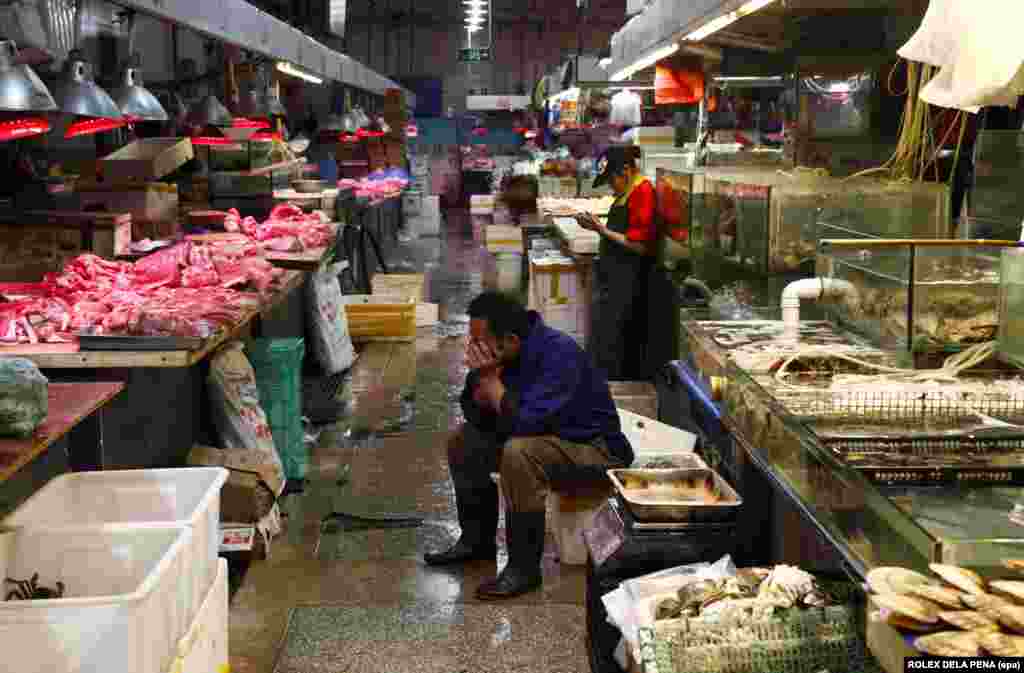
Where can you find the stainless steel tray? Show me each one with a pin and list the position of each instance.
(669, 509)
(90, 342)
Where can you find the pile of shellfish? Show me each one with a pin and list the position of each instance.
(752, 592)
(956, 612)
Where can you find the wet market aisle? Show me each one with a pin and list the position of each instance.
(343, 595)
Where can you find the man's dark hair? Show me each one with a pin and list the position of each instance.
(504, 314)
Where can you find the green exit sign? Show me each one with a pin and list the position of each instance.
(475, 54)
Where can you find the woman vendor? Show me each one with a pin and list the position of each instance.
(619, 335)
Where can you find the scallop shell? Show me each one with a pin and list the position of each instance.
(1012, 588)
(984, 603)
(1001, 644)
(969, 620)
(950, 644)
(1016, 564)
(916, 608)
(961, 578)
(1012, 617)
(907, 624)
(944, 596)
(895, 580)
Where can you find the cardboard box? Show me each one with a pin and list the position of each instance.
(500, 238)
(34, 244)
(380, 318)
(152, 205)
(146, 160)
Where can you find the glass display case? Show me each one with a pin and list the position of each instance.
(1011, 306)
(915, 297)
(998, 170)
(763, 220)
(988, 228)
(673, 190)
(871, 524)
(867, 207)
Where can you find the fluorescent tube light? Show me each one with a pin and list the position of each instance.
(473, 29)
(646, 62)
(288, 69)
(474, 22)
(721, 22)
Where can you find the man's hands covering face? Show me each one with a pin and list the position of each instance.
(481, 357)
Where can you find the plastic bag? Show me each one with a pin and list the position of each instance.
(24, 400)
(237, 415)
(330, 339)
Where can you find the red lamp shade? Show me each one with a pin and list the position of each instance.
(348, 137)
(243, 123)
(23, 128)
(266, 136)
(212, 141)
(88, 127)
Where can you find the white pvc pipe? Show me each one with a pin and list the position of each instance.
(808, 288)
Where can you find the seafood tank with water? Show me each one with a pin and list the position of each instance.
(912, 297)
(1011, 306)
(771, 220)
(998, 170)
(878, 467)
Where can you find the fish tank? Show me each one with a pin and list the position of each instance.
(868, 207)
(1011, 306)
(872, 524)
(998, 171)
(763, 220)
(938, 296)
(673, 190)
(989, 228)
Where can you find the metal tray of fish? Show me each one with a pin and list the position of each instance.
(682, 495)
(93, 342)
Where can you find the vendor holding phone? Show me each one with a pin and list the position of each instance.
(618, 334)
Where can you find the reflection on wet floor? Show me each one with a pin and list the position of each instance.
(345, 587)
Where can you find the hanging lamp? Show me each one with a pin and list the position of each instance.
(79, 94)
(136, 102)
(21, 90)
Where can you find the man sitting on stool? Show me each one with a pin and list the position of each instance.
(532, 401)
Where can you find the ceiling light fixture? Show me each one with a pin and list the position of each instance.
(21, 90)
(92, 126)
(475, 22)
(721, 22)
(209, 112)
(79, 94)
(646, 62)
(23, 128)
(289, 69)
(136, 102)
(473, 29)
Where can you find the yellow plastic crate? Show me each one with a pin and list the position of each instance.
(380, 317)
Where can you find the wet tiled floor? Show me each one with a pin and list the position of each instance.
(338, 596)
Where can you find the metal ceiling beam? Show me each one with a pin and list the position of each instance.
(241, 24)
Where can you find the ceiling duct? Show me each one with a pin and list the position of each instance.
(43, 29)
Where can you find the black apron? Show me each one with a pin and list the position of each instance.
(618, 327)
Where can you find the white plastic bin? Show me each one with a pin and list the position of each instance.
(204, 648)
(169, 497)
(123, 605)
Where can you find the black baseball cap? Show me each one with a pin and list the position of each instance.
(614, 162)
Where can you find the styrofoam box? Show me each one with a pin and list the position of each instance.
(204, 648)
(652, 440)
(168, 497)
(123, 606)
(510, 271)
(425, 225)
